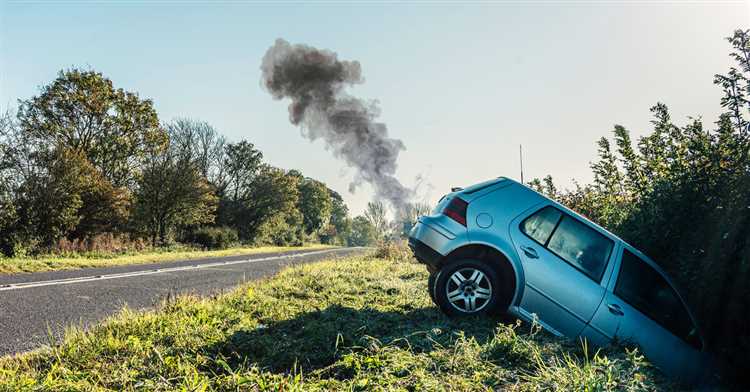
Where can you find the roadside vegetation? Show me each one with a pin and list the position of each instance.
(90, 176)
(87, 167)
(174, 253)
(682, 195)
(359, 323)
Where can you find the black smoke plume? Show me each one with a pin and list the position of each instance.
(315, 79)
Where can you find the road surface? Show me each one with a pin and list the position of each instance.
(32, 303)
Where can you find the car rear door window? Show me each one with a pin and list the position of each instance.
(539, 226)
(581, 246)
(645, 289)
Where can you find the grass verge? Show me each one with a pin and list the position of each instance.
(52, 263)
(362, 323)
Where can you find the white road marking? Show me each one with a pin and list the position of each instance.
(83, 279)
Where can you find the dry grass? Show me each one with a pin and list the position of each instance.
(103, 243)
(91, 260)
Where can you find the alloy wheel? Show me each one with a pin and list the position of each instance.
(469, 290)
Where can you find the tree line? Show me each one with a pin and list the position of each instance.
(682, 195)
(83, 159)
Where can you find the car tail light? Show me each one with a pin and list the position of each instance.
(456, 210)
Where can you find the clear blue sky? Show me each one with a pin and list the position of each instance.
(462, 86)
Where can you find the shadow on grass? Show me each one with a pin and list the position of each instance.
(313, 340)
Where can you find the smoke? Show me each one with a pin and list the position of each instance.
(314, 80)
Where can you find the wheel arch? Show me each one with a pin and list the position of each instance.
(509, 266)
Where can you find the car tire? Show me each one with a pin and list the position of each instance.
(468, 287)
(431, 285)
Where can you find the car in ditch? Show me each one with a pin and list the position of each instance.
(501, 247)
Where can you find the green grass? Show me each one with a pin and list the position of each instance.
(362, 323)
(52, 263)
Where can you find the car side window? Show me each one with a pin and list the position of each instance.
(645, 289)
(581, 246)
(539, 225)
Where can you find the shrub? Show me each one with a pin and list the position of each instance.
(283, 229)
(214, 237)
(363, 233)
(394, 250)
(104, 243)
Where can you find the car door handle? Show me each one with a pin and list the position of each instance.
(530, 252)
(615, 309)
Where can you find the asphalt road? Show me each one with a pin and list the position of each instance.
(33, 304)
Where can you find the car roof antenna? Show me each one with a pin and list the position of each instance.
(520, 158)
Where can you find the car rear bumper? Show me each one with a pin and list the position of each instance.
(428, 242)
(424, 254)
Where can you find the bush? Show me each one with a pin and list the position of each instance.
(283, 229)
(104, 243)
(394, 250)
(215, 237)
(363, 233)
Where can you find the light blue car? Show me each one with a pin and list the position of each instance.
(499, 246)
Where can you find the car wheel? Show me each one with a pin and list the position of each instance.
(431, 285)
(467, 287)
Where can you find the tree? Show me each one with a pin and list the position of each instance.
(635, 180)
(339, 223)
(314, 204)
(48, 202)
(608, 183)
(172, 192)
(8, 214)
(281, 229)
(375, 214)
(536, 184)
(268, 193)
(47, 194)
(736, 85)
(242, 162)
(82, 112)
(363, 232)
(104, 208)
(202, 145)
(409, 215)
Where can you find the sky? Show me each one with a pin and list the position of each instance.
(462, 85)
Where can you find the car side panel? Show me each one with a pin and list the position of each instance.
(500, 207)
(601, 329)
(665, 350)
(562, 297)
